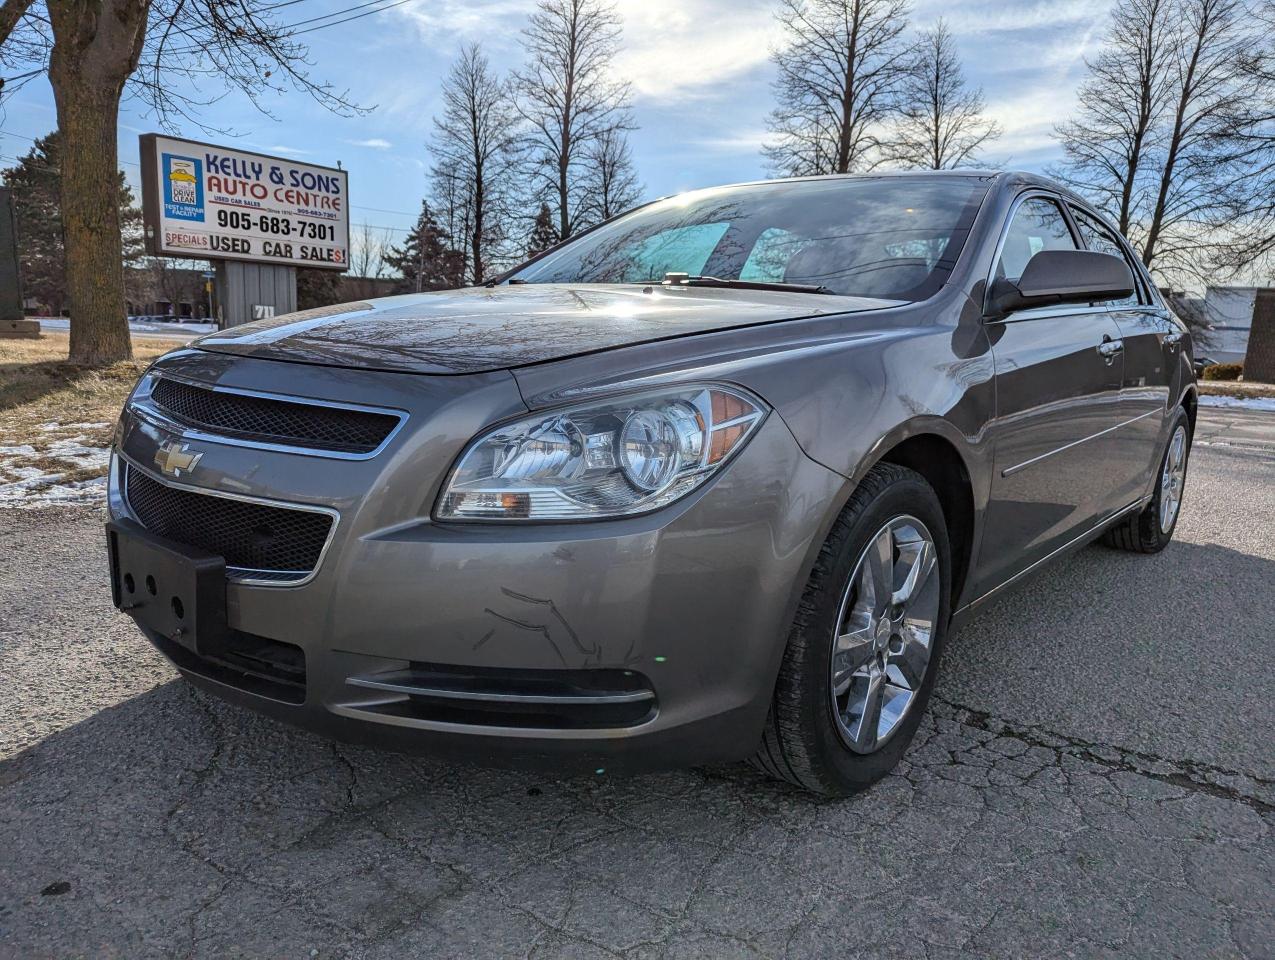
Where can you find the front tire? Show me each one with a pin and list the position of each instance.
(864, 648)
(1150, 530)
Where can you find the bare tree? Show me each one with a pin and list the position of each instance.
(942, 123)
(1202, 168)
(1168, 141)
(570, 99)
(610, 180)
(164, 52)
(450, 204)
(1253, 245)
(1109, 144)
(841, 68)
(476, 156)
(367, 251)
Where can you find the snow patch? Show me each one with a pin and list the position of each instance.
(24, 485)
(75, 451)
(1242, 403)
(53, 426)
(45, 490)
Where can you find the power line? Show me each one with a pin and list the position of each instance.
(288, 31)
(337, 13)
(401, 213)
(358, 16)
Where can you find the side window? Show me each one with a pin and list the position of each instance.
(1099, 238)
(1038, 225)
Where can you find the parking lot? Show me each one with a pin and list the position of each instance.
(1096, 779)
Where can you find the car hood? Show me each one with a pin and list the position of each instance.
(480, 328)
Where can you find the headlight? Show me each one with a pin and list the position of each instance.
(612, 458)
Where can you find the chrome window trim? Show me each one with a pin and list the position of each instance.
(141, 404)
(1062, 310)
(1145, 300)
(239, 575)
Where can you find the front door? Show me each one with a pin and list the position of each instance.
(1055, 436)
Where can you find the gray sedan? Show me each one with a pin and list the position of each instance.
(714, 480)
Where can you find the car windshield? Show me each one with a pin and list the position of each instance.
(890, 237)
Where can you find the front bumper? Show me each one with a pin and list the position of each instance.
(652, 641)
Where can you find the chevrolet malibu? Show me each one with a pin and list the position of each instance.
(714, 480)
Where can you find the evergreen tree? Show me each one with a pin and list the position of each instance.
(317, 287)
(427, 260)
(37, 184)
(543, 233)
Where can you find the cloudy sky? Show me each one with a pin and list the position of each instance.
(699, 69)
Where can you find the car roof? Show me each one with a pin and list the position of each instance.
(1006, 178)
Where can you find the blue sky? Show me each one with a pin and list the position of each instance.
(699, 69)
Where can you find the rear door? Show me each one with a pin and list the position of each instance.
(1151, 341)
(1059, 369)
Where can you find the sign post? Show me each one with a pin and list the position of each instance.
(257, 217)
(12, 321)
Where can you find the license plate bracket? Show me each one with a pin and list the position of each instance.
(175, 590)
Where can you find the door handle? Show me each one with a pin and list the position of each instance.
(1110, 348)
(1173, 339)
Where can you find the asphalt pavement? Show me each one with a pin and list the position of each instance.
(1095, 779)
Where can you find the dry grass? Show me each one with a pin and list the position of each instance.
(60, 410)
(1236, 388)
(38, 386)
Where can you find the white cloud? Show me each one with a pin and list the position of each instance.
(982, 17)
(279, 148)
(375, 143)
(744, 141)
(447, 23)
(679, 48)
(668, 47)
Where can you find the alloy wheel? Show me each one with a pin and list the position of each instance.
(885, 626)
(1172, 479)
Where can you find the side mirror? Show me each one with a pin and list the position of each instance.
(1062, 276)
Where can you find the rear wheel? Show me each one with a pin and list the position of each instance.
(1150, 530)
(864, 648)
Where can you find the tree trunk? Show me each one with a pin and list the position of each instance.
(95, 49)
(476, 239)
(1175, 143)
(91, 225)
(1259, 361)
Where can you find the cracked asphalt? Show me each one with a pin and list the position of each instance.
(1095, 779)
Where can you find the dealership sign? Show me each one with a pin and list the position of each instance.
(208, 202)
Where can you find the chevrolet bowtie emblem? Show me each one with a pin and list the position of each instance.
(173, 458)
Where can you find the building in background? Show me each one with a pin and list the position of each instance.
(1229, 311)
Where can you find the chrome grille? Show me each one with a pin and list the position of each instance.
(269, 420)
(283, 544)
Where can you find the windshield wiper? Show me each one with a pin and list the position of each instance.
(690, 280)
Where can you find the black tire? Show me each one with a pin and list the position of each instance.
(801, 742)
(1142, 532)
